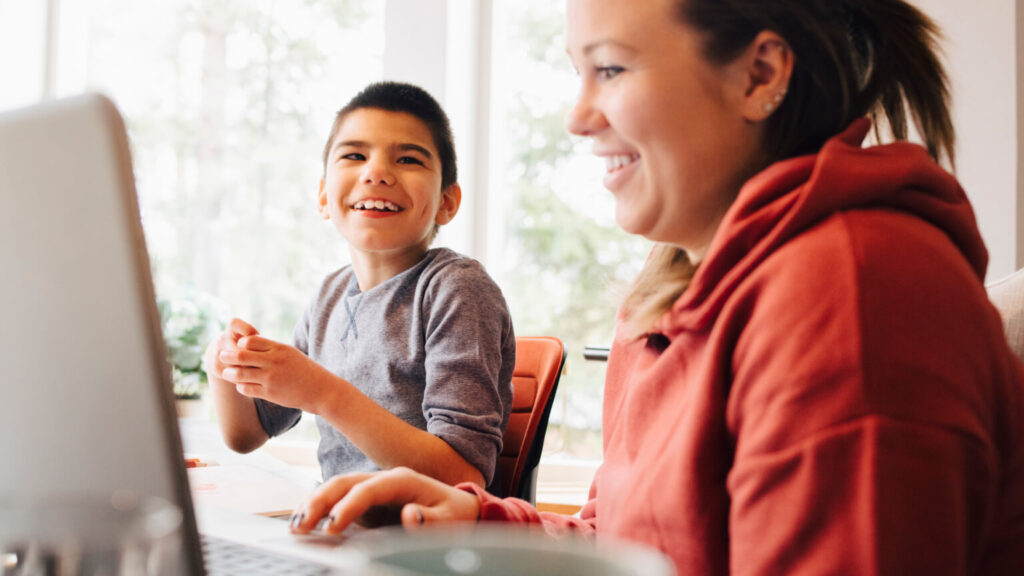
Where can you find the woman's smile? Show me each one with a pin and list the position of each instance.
(618, 169)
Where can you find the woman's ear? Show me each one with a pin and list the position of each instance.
(451, 198)
(768, 65)
(321, 199)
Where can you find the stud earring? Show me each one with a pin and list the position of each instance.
(776, 100)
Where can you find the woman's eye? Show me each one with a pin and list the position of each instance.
(410, 160)
(608, 72)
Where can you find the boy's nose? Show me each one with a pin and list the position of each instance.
(377, 173)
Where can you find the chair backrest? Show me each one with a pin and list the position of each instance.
(1007, 294)
(539, 364)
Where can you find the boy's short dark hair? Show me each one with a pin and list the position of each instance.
(401, 97)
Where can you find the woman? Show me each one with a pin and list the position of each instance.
(807, 376)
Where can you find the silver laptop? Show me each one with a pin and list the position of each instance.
(86, 389)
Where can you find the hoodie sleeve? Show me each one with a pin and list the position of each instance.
(494, 509)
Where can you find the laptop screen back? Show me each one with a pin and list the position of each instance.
(86, 391)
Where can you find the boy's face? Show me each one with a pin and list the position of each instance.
(382, 183)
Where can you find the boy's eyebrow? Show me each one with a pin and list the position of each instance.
(401, 146)
(416, 148)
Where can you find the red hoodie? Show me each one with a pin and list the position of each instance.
(833, 393)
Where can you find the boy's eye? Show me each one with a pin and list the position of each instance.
(608, 72)
(353, 156)
(410, 160)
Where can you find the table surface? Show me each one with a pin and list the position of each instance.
(247, 498)
(256, 483)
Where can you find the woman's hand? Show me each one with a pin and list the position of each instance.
(418, 499)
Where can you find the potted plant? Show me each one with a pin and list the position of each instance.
(189, 322)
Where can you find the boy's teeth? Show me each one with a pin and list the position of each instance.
(376, 205)
(612, 163)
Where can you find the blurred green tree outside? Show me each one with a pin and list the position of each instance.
(565, 262)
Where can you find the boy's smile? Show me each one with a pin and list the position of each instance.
(382, 188)
(377, 207)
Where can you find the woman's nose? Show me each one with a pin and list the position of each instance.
(584, 118)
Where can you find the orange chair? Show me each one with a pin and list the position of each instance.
(539, 364)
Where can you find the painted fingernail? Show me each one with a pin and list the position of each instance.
(419, 515)
(330, 520)
(302, 517)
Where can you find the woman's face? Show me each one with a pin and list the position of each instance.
(669, 125)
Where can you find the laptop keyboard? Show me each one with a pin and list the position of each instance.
(227, 558)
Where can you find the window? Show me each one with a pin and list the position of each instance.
(23, 43)
(227, 104)
(559, 257)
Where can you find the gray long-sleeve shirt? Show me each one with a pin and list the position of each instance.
(433, 345)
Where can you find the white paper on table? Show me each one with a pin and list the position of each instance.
(247, 489)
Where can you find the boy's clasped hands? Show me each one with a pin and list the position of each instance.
(263, 368)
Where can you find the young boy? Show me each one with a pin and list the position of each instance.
(405, 356)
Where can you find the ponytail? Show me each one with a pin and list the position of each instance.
(665, 275)
(905, 73)
(853, 58)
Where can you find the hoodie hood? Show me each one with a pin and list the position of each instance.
(794, 195)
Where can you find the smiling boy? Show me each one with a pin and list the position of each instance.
(406, 355)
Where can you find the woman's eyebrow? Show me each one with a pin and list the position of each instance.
(589, 48)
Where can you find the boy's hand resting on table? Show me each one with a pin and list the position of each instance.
(359, 498)
(263, 368)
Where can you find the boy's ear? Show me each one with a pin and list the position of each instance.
(321, 200)
(451, 198)
(768, 66)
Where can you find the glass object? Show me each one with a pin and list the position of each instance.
(504, 550)
(79, 535)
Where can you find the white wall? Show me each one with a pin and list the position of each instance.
(982, 54)
(445, 48)
(415, 51)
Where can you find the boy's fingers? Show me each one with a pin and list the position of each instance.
(239, 359)
(245, 375)
(241, 328)
(256, 343)
(228, 358)
(250, 390)
(226, 342)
